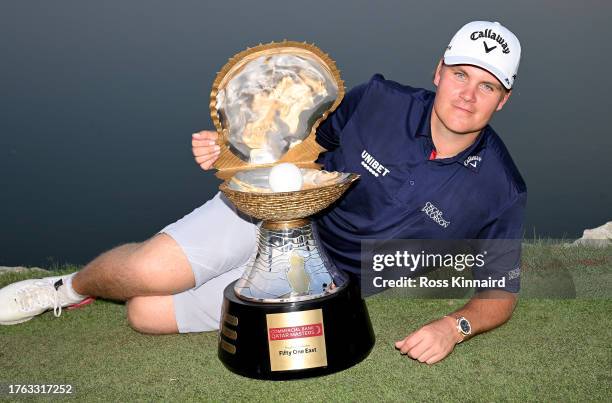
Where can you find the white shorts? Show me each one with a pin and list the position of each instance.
(219, 242)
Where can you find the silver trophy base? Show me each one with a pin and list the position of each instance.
(288, 266)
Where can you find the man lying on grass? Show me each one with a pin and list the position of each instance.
(447, 176)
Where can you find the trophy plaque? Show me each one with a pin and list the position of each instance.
(292, 314)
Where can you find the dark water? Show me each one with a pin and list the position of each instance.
(98, 101)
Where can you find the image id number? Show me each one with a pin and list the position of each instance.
(44, 389)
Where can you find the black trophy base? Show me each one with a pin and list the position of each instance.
(296, 339)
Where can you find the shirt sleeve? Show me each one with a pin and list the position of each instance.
(502, 240)
(509, 223)
(328, 132)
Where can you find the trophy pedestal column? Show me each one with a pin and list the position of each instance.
(294, 339)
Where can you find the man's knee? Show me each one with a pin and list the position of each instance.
(160, 266)
(152, 315)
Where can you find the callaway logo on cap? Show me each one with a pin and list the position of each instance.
(489, 45)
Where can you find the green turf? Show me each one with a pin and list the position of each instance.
(553, 349)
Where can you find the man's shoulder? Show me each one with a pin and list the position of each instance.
(499, 162)
(378, 85)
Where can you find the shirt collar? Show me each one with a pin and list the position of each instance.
(472, 157)
(424, 127)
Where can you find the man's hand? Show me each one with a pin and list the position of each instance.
(205, 148)
(431, 343)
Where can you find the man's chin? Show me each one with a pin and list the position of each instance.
(459, 123)
(463, 129)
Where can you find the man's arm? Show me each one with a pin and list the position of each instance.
(434, 341)
(487, 309)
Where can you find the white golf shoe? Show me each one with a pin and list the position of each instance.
(21, 301)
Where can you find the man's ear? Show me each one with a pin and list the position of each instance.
(436, 77)
(503, 100)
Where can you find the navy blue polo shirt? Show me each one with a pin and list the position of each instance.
(382, 131)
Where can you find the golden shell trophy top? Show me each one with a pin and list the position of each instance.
(266, 104)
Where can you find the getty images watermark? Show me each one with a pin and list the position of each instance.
(413, 261)
(444, 265)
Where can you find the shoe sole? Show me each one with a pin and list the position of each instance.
(81, 304)
(16, 322)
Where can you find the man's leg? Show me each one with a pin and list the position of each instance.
(218, 243)
(194, 310)
(155, 267)
(152, 315)
(211, 240)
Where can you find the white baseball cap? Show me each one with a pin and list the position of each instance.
(489, 45)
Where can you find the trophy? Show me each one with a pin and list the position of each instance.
(292, 314)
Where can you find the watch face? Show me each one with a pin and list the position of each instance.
(465, 326)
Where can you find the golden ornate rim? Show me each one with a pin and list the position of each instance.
(309, 148)
(285, 224)
(284, 206)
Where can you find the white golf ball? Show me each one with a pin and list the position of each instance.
(285, 177)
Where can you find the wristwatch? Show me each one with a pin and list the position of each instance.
(464, 327)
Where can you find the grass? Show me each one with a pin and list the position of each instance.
(554, 349)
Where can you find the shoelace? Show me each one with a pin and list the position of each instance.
(41, 295)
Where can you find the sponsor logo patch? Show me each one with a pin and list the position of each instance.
(489, 34)
(372, 165)
(473, 161)
(488, 49)
(435, 214)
